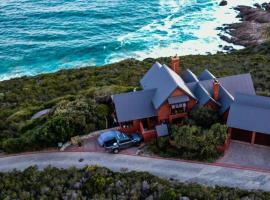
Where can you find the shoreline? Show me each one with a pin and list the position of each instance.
(209, 41)
(253, 28)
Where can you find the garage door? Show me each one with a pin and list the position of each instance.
(241, 135)
(262, 139)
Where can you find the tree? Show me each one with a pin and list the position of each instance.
(185, 136)
(219, 131)
(205, 117)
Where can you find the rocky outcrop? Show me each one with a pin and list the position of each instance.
(253, 29)
(223, 3)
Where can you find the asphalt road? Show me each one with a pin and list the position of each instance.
(179, 170)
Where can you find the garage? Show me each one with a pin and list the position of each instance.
(246, 136)
(241, 135)
(262, 139)
(249, 119)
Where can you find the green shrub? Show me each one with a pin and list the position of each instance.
(205, 117)
(163, 143)
(169, 194)
(14, 145)
(101, 183)
(219, 132)
(186, 136)
(192, 142)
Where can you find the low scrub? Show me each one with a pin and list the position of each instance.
(93, 182)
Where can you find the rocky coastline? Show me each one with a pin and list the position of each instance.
(253, 28)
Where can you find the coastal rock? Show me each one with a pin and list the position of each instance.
(253, 28)
(223, 3)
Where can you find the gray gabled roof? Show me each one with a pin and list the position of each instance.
(134, 105)
(229, 86)
(206, 75)
(202, 95)
(253, 100)
(233, 84)
(150, 79)
(188, 76)
(241, 83)
(225, 100)
(250, 112)
(167, 82)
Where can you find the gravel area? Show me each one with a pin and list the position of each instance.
(247, 155)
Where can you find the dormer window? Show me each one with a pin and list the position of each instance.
(178, 104)
(178, 108)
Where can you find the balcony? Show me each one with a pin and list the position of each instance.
(174, 116)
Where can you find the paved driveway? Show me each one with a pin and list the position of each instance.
(179, 170)
(244, 154)
(91, 145)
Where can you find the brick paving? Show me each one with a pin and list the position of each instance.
(91, 145)
(247, 155)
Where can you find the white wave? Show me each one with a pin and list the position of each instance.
(205, 31)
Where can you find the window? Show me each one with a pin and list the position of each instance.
(178, 108)
(124, 140)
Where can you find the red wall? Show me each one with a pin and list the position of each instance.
(134, 128)
(164, 110)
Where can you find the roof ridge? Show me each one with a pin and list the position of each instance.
(227, 92)
(172, 74)
(209, 95)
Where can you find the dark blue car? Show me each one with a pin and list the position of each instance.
(114, 140)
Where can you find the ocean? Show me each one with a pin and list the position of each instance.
(38, 36)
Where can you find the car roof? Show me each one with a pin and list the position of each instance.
(113, 134)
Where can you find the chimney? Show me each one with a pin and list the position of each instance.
(216, 86)
(175, 64)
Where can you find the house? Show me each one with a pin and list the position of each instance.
(167, 97)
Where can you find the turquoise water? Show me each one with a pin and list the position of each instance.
(38, 36)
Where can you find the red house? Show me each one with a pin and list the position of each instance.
(168, 97)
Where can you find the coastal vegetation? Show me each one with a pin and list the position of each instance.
(85, 93)
(93, 182)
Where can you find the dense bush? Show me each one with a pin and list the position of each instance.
(93, 182)
(205, 116)
(67, 119)
(191, 142)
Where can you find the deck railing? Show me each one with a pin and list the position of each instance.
(177, 115)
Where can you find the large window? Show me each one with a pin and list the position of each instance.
(178, 108)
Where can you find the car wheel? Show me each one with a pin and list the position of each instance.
(115, 151)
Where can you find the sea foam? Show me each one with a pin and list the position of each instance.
(44, 36)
